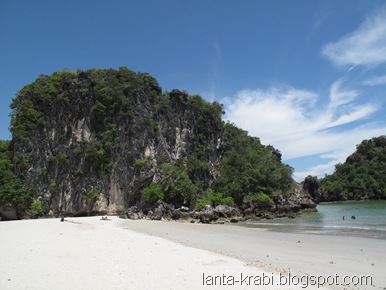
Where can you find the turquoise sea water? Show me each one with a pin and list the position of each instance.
(369, 222)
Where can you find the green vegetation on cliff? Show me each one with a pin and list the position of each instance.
(12, 191)
(362, 176)
(248, 167)
(87, 140)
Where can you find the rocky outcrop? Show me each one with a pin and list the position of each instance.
(219, 213)
(291, 206)
(88, 157)
(361, 177)
(312, 185)
(90, 143)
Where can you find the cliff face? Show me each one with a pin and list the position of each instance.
(92, 141)
(91, 148)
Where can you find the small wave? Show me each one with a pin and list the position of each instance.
(269, 224)
(369, 231)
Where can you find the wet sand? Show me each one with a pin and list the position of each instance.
(280, 252)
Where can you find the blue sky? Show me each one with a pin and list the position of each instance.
(308, 77)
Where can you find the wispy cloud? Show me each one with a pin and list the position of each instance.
(215, 67)
(365, 46)
(375, 81)
(345, 145)
(318, 170)
(337, 130)
(297, 124)
(303, 123)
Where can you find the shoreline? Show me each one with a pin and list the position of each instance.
(348, 201)
(297, 253)
(91, 253)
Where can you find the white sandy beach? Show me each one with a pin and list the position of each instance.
(124, 254)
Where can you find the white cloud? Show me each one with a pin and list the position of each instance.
(264, 112)
(365, 46)
(215, 65)
(295, 123)
(375, 81)
(299, 124)
(355, 113)
(346, 146)
(340, 97)
(317, 170)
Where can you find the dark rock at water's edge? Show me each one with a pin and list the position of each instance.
(284, 206)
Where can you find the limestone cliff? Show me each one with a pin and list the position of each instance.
(91, 141)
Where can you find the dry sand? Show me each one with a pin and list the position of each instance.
(124, 254)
